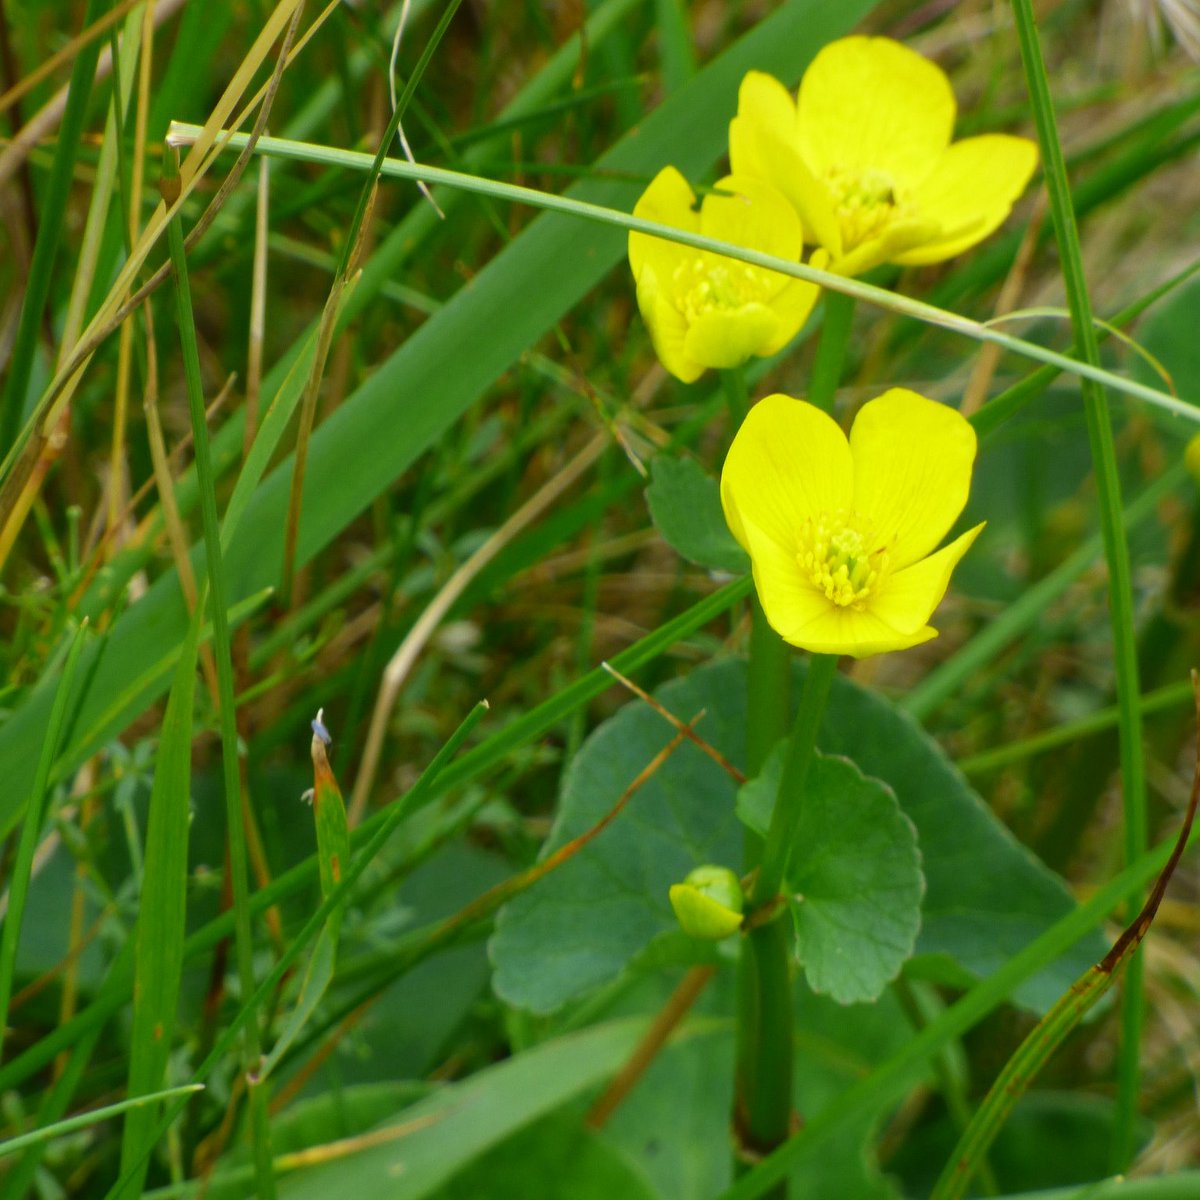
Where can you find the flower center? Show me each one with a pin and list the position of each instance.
(839, 554)
(865, 202)
(711, 281)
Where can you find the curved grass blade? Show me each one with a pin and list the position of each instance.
(182, 134)
(1033, 1053)
(94, 1117)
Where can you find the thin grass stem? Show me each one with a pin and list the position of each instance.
(183, 134)
(1116, 552)
(222, 649)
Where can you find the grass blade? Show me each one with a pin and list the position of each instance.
(161, 912)
(182, 134)
(222, 649)
(84, 1120)
(51, 213)
(1116, 552)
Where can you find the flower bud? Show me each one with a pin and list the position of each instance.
(708, 903)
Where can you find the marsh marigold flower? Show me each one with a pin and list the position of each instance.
(706, 310)
(841, 533)
(864, 154)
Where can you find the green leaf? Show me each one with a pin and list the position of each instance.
(675, 1123)
(582, 1164)
(855, 876)
(685, 505)
(455, 1125)
(986, 896)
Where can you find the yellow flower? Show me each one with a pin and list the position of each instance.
(864, 154)
(706, 310)
(840, 533)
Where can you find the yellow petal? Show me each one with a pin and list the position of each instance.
(727, 337)
(668, 328)
(763, 144)
(896, 239)
(970, 192)
(789, 461)
(906, 600)
(791, 308)
(873, 104)
(752, 213)
(789, 599)
(668, 200)
(849, 631)
(912, 471)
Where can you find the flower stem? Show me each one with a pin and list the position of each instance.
(1116, 552)
(785, 819)
(763, 1098)
(763, 1114)
(831, 350)
(737, 395)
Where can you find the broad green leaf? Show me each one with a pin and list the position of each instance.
(854, 878)
(685, 505)
(158, 966)
(410, 401)
(439, 1136)
(986, 895)
(675, 1123)
(581, 1163)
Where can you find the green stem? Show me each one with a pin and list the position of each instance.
(831, 350)
(763, 1105)
(764, 1114)
(785, 819)
(218, 607)
(737, 395)
(768, 701)
(768, 684)
(1116, 550)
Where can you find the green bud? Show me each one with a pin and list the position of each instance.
(708, 903)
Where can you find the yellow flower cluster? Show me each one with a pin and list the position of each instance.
(859, 165)
(842, 533)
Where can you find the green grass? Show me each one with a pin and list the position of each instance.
(420, 378)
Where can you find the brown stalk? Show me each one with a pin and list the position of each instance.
(683, 728)
(655, 1038)
(308, 402)
(409, 650)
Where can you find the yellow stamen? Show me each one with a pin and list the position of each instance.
(841, 557)
(710, 281)
(865, 202)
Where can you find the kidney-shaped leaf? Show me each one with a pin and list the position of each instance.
(986, 895)
(854, 878)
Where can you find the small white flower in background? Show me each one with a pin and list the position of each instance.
(1181, 17)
